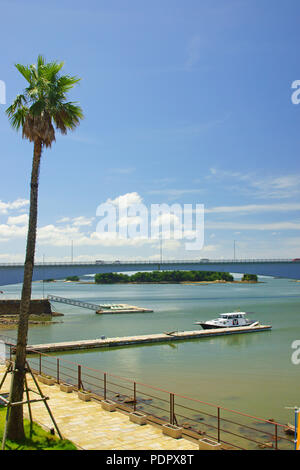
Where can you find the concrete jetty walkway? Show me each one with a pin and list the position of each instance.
(89, 427)
(142, 339)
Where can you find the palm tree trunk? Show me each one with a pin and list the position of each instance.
(15, 423)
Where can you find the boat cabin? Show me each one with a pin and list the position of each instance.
(233, 319)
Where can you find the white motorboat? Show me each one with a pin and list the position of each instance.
(228, 320)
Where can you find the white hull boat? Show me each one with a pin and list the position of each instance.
(228, 320)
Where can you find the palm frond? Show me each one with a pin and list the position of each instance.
(66, 82)
(68, 116)
(51, 70)
(18, 103)
(25, 71)
(17, 118)
(40, 62)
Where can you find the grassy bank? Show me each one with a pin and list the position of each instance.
(40, 439)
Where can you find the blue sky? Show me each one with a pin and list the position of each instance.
(184, 102)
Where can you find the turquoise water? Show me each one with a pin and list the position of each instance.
(252, 373)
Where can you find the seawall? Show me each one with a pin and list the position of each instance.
(37, 307)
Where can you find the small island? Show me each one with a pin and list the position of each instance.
(163, 277)
(172, 277)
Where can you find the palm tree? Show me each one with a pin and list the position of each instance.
(38, 111)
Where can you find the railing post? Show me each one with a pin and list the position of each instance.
(134, 396)
(171, 408)
(40, 364)
(276, 436)
(104, 386)
(57, 370)
(79, 377)
(219, 427)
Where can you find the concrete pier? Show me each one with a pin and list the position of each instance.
(143, 339)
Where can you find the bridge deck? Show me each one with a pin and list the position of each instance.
(12, 273)
(142, 339)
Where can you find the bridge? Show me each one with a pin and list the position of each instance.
(12, 273)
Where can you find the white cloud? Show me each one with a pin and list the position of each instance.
(175, 193)
(18, 220)
(8, 232)
(253, 226)
(62, 236)
(125, 200)
(167, 218)
(77, 221)
(267, 187)
(210, 248)
(255, 208)
(59, 236)
(125, 221)
(171, 245)
(12, 257)
(15, 205)
(278, 187)
(82, 221)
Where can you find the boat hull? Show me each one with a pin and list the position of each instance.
(207, 326)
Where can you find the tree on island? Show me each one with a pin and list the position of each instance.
(42, 107)
(72, 278)
(163, 276)
(249, 278)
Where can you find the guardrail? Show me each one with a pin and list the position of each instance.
(235, 430)
(155, 263)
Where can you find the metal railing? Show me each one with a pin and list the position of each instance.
(155, 263)
(233, 429)
(79, 303)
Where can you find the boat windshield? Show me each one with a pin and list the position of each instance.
(229, 316)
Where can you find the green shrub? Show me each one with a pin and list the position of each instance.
(72, 278)
(249, 277)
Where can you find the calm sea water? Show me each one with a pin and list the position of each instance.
(252, 373)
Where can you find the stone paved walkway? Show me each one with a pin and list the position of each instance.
(89, 427)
